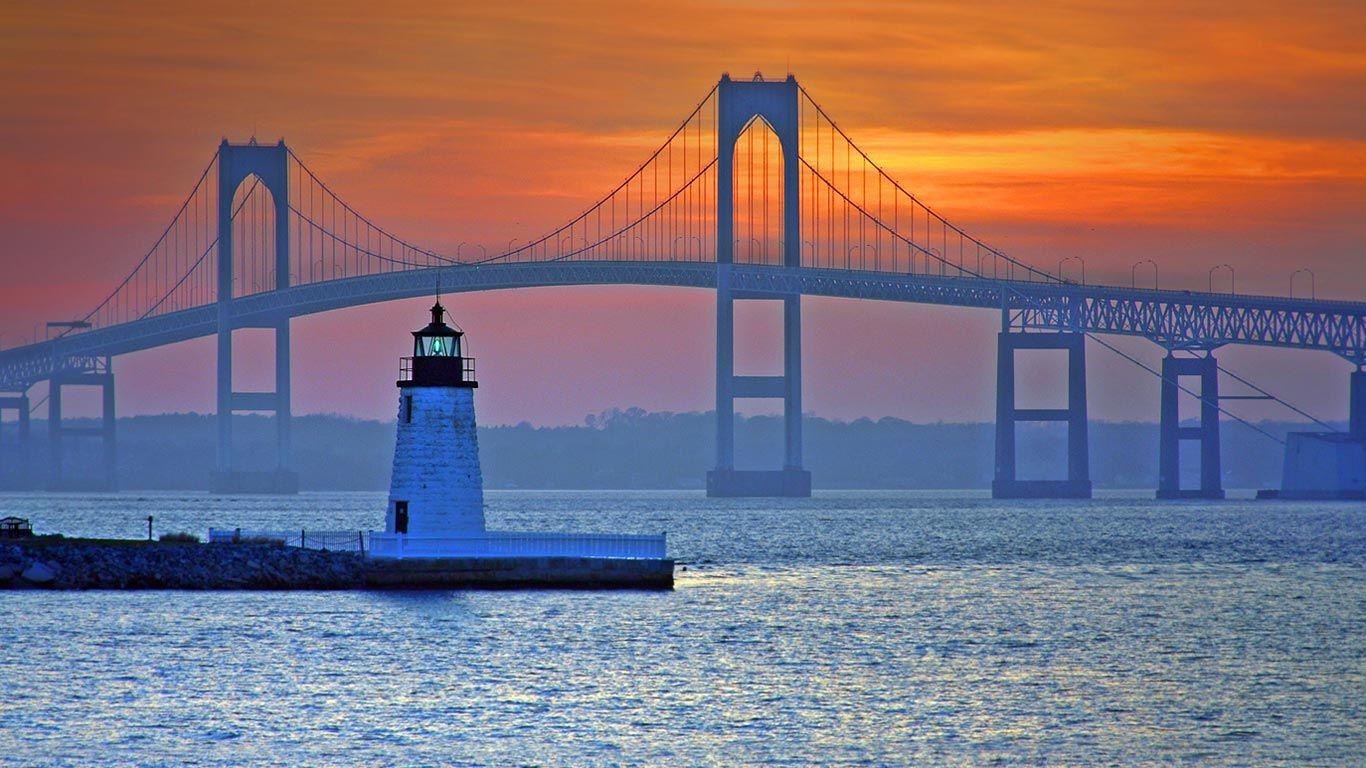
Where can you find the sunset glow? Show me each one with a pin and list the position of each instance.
(1194, 134)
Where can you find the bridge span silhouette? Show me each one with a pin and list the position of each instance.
(261, 239)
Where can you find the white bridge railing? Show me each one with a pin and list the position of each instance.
(506, 544)
(491, 544)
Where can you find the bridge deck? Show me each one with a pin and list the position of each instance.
(1176, 319)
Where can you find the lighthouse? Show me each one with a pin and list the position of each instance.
(436, 488)
(434, 534)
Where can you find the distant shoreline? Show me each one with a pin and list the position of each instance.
(639, 450)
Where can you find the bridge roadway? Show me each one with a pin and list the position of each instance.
(1174, 319)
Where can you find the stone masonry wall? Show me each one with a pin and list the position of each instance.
(436, 464)
(80, 564)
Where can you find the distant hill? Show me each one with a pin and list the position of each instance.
(638, 449)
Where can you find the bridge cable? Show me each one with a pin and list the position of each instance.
(928, 210)
(639, 220)
(1006, 285)
(256, 181)
(1289, 405)
(598, 205)
(346, 207)
(193, 192)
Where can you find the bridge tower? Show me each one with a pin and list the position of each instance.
(1171, 433)
(776, 103)
(236, 164)
(1006, 483)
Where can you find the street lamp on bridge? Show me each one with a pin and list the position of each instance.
(1306, 271)
(1231, 277)
(1077, 259)
(1133, 273)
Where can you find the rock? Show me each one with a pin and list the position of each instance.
(39, 573)
(7, 572)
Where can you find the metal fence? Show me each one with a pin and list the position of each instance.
(336, 541)
(491, 544)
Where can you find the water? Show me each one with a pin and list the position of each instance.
(853, 628)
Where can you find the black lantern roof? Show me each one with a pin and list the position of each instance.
(437, 339)
(439, 358)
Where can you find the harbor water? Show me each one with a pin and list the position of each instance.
(858, 628)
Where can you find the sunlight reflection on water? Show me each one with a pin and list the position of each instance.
(957, 630)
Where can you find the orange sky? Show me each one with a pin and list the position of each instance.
(1194, 133)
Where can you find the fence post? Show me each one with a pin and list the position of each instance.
(303, 539)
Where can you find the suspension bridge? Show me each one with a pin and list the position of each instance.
(759, 195)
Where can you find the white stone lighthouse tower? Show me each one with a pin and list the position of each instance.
(436, 488)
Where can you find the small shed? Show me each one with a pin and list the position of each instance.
(15, 528)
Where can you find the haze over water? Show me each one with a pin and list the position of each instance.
(877, 628)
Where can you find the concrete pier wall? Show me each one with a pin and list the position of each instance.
(1320, 465)
(509, 572)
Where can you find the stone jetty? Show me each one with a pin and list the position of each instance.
(57, 563)
(53, 562)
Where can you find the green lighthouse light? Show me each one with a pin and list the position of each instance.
(437, 339)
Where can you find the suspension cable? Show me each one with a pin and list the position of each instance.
(928, 210)
(1285, 403)
(183, 206)
(1007, 285)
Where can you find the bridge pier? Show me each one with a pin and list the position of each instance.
(792, 479)
(1171, 433)
(1330, 465)
(1006, 484)
(1356, 404)
(58, 479)
(228, 478)
(17, 453)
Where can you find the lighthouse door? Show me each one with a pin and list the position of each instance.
(400, 517)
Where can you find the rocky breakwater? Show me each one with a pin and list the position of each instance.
(58, 563)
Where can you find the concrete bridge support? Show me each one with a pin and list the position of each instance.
(1330, 465)
(236, 164)
(230, 478)
(726, 480)
(104, 479)
(738, 103)
(1356, 404)
(1171, 433)
(1006, 484)
(16, 456)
